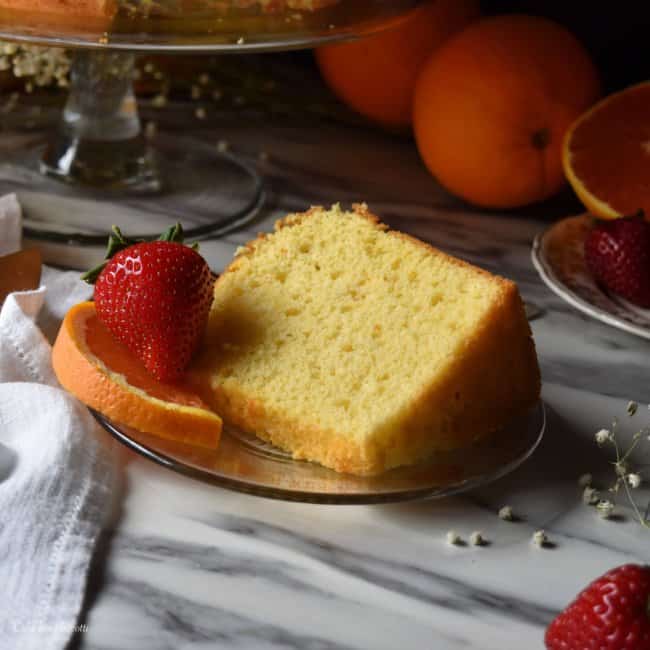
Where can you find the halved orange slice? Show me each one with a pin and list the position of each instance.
(606, 154)
(103, 374)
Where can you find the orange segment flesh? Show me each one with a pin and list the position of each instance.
(103, 374)
(607, 154)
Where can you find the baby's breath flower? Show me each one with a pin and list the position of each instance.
(590, 496)
(159, 101)
(40, 66)
(605, 508)
(585, 480)
(476, 539)
(603, 436)
(453, 538)
(200, 113)
(506, 514)
(540, 539)
(631, 408)
(621, 468)
(633, 480)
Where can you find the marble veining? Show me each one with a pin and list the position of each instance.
(189, 566)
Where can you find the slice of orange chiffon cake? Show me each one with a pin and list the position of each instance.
(361, 348)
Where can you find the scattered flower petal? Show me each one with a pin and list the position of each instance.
(632, 408)
(453, 538)
(506, 514)
(476, 539)
(540, 539)
(605, 508)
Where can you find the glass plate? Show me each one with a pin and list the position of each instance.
(244, 463)
(203, 25)
(558, 256)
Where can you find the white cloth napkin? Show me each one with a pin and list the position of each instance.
(56, 478)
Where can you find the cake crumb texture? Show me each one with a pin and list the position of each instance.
(361, 348)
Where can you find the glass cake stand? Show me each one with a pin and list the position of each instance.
(99, 155)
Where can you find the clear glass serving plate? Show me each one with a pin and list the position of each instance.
(244, 463)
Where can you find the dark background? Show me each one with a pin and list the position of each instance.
(617, 33)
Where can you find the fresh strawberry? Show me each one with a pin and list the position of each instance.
(612, 613)
(154, 297)
(618, 254)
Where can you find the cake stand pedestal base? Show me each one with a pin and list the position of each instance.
(104, 171)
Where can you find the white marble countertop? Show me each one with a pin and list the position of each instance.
(189, 566)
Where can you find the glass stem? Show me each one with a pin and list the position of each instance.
(99, 142)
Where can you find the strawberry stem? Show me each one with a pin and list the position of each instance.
(174, 234)
(117, 242)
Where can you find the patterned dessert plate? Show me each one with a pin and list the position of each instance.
(244, 463)
(558, 256)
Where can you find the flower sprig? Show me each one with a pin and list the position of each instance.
(627, 478)
(38, 66)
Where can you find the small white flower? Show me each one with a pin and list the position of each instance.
(603, 436)
(540, 538)
(223, 146)
(590, 496)
(633, 480)
(476, 539)
(159, 101)
(506, 514)
(585, 480)
(605, 508)
(453, 538)
(200, 113)
(621, 468)
(631, 408)
(240, 40)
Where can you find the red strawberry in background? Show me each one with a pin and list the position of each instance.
(155, 298)
(612, 613)
(618, 255)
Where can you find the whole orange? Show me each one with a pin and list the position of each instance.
(376, 75)
(491, 108)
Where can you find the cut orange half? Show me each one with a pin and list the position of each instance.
(103, 374)
(606, 154)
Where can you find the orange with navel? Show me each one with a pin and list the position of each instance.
(376, 75)
(106, 376)
(493, 104)
(607, 154)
